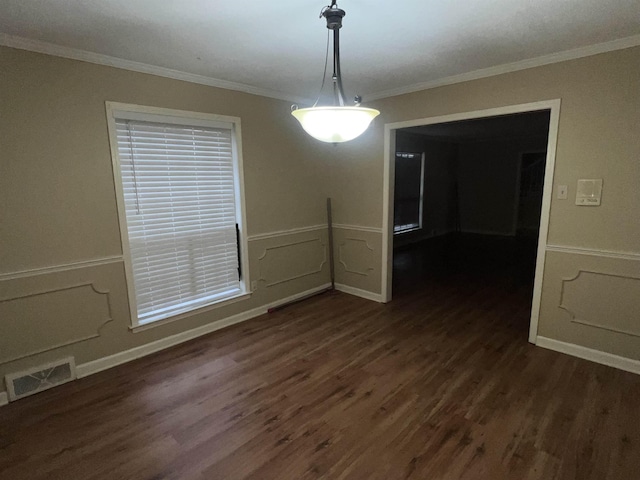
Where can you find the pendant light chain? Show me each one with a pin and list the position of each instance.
(326, 62)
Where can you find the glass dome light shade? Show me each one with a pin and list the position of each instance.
(335, 124)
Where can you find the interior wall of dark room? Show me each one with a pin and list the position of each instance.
(473, 184)
(487, 173)
(438, 212)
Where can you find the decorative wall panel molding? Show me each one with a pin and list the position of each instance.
(35, 319)
(289, 261)
(603, 300)
(356, 256)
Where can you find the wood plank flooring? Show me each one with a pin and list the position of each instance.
(439, 384)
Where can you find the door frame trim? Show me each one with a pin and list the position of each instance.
(388, 191)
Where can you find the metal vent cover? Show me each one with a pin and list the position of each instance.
(38, 379)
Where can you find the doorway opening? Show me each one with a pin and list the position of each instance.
(467, 203)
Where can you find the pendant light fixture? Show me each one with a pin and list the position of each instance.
(338, 122)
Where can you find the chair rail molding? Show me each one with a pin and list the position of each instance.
(593, 252)
(285, 233)
(357, 228)
(63, 267)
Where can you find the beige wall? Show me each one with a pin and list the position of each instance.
(58, 202)
(57, 181)
(598, 138)
(58, 206)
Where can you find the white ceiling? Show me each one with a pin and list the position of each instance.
(278, 47)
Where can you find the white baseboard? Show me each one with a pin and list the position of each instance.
(4, 399)
(119, 358)
(376, 297)
(604, 358)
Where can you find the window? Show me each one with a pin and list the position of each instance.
(409, 185)
(178, 178)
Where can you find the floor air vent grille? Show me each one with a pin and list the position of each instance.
(40, 378)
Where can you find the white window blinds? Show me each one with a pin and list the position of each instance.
(180, 200)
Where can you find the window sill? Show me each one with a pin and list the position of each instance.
(190, 313)
(408, 230)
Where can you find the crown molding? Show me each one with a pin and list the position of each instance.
(558, 57)
(38, 46)
(100, 59)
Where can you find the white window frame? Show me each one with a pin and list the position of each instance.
(117, 110)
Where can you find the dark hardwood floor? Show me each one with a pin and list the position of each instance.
(439, 384)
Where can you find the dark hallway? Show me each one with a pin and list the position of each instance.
(468, 197)
(460, 266)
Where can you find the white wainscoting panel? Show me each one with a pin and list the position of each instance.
(356, 256)
(292, 260)
(357, 260)
(601, 309)
(85, 310)
(591, 303)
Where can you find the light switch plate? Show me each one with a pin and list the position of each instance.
(589, 192)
